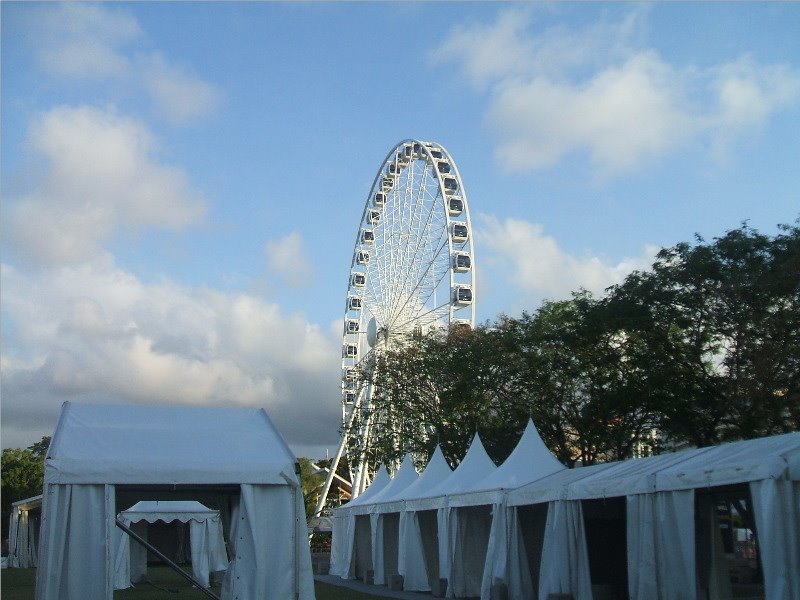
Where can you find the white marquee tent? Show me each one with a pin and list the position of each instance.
(101, 451)
(538, 542)
(23, 532)
(659, 494)
(206, 539)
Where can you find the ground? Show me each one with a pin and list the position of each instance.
(17, 584)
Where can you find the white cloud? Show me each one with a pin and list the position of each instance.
(95, 42)
(534, 263)
(287, 258)
(86, 40)
(102, 175)
(488, 53)
(94, 332)
(559, 92)
(178, 94)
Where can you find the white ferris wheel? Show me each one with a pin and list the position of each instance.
(412, 269)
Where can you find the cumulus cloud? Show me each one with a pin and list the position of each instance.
(82, 40)
(599, 93)
(287, 258)
(94, 332)
(95, 42)
(178, 94)
(534, 262)
(101, 174)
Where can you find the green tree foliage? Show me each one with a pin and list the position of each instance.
(22, 476)
(311, 483)
(704, 347)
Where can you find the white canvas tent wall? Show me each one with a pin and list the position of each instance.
(206, 540)
(418, 549)
(530, 461)
(385, 528)
(23, 533)
(344, 529)
(659, 492)
(451, 540)
(96, 448)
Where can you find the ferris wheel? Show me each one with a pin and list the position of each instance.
(412, 270)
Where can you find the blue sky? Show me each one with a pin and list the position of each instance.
(182, 182)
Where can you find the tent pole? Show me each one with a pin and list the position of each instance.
(135, 536)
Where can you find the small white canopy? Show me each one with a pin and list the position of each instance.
(23, 532)
(168, 511)
(206, 540)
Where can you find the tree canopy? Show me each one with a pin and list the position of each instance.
(703, 347)
(22, 476)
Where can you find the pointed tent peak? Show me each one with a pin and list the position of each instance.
(531, 444)
(381, 480)
(434, 474)
(405, 476)
(436, 461)
(406, 473)
(476, 456)
(530, 460)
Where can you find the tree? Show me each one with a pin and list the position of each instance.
(720, 324)
(704, 347)
(22, 476)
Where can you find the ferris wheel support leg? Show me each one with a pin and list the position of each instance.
(323, 496)
(360, 479)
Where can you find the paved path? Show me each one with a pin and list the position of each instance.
(375, 590)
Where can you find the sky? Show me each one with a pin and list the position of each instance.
(182, 182)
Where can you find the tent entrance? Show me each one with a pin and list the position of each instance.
(532, 520)
(363, 544)
(607, 547)
(429, 531)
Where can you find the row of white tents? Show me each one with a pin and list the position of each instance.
(104, 459)
(521, 528)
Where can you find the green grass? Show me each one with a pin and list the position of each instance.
(17, 584)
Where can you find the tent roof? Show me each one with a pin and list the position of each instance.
(27, 503)
(168, 511)
(475, 466)
(530, 461)
(435, 472)
(127, 444)
(726, 464)
(381, 480)
(405, 476)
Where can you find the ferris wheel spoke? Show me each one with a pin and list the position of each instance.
(418, 284)
(423, 242)
(429, 316)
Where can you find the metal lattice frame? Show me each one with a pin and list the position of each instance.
(413, 269)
